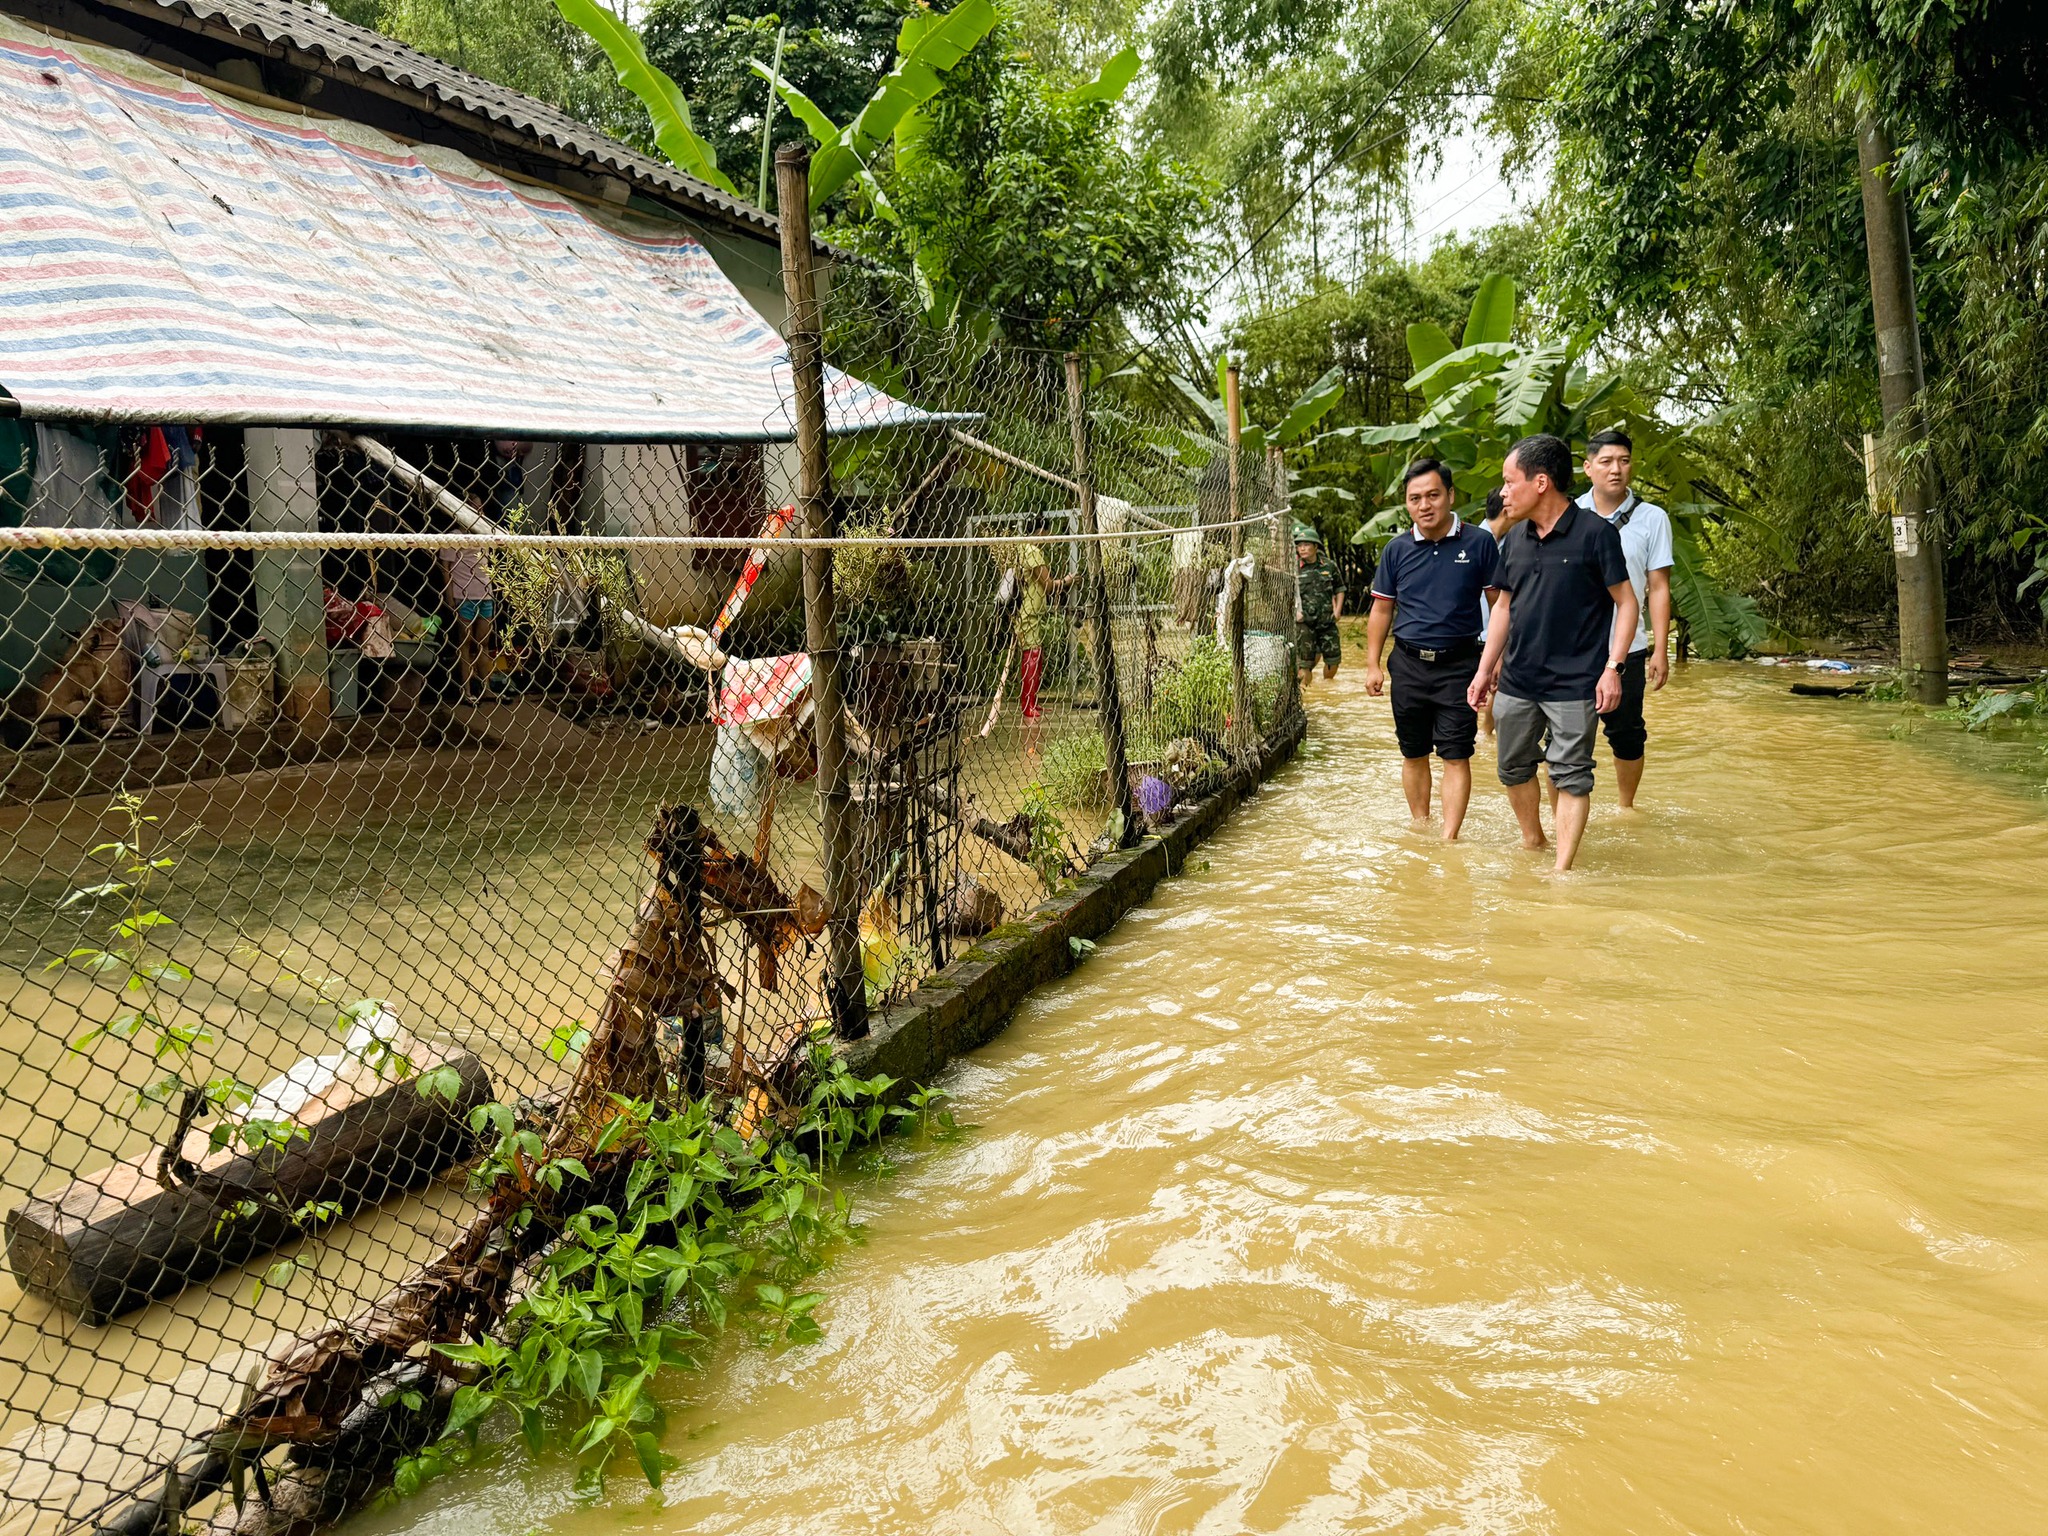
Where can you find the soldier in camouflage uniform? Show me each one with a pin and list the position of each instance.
(1319, 600)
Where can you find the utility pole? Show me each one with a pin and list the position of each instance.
(1114, 754)
(1901, 379)
(845, 986)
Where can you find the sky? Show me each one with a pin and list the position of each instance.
(1461, 194)
(1464, 194)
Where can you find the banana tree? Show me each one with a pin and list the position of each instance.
(926, 47)
(1482, 395)
(667, 108)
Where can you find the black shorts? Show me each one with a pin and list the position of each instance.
(1313, 640)
(1430, 709)
(1626, 730)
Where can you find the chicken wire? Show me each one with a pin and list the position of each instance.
(333, 766)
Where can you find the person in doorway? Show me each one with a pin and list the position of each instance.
(466, 593)
(1427, 593)
(1563, 619)
(1645, 531)
(1319, 603)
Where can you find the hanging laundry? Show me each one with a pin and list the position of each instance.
(146, 471)
(73, 489)
(177, 504)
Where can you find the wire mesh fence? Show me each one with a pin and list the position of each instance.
(352, 783)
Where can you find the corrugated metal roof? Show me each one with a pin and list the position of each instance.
(316, 33)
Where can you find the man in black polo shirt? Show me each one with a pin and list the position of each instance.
(1564, 616)
(1427, 591)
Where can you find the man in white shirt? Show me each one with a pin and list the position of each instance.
(1645, 530)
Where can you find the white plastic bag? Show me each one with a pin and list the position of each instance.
(738, 773)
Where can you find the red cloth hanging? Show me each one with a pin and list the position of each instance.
(152, 463)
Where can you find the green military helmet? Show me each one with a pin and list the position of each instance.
(1305, 533)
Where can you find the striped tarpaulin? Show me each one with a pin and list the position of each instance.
(165, 257)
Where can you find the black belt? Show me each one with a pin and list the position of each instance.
(1458, 650)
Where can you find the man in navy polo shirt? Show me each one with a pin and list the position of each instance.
(1564, 617)
(1427, 591)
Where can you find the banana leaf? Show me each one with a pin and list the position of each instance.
(667, 108)
(1718, 623)
(1465, 402)
(1310, 407)
(1427, 344)
(1211, 411)
(1493, 311)
(1113, 81)
(1526, 386)
(1455, 368)
(927, 46)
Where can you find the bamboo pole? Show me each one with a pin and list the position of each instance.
(991, 451)
(1115, 755)
(845, 989)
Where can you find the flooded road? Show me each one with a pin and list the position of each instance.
(1358, 1184)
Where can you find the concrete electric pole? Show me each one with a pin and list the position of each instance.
(1902, 479)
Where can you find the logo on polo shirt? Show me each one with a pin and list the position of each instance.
(1463, 558)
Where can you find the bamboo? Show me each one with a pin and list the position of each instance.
(845, 988)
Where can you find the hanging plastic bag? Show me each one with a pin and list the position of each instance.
(738, 773)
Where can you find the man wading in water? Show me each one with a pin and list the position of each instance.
(1645, 532)
(1564, 617)
(1427, 591)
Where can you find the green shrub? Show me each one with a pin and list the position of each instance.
(1072, 771)
(1192, 695)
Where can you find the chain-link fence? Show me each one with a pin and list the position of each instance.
(353, 781)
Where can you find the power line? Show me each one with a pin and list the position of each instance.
(1345, 148)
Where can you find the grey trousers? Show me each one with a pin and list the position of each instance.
(1557, 732)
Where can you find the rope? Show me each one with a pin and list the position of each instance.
(177, 539)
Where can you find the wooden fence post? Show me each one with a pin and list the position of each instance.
(1115, 754)
(845, 986)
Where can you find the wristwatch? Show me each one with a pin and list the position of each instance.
(1614, 666)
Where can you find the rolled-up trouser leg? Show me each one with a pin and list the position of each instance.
(1555, 732)
(1518, 727)
(1573, 724)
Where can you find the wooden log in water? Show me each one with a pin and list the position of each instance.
(118, 1239)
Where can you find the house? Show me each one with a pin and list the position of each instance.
(237, 234)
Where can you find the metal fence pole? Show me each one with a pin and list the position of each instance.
(1242, 729)
(1115, 753)
(845, 987)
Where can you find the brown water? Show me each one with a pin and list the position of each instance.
(1358, 1184)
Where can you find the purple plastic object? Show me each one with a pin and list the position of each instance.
(1155, 796)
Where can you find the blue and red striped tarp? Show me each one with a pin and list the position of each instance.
(165, 257)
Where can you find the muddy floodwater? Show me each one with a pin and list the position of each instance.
(1357, 1184)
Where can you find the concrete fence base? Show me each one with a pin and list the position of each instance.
(970, 1001)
